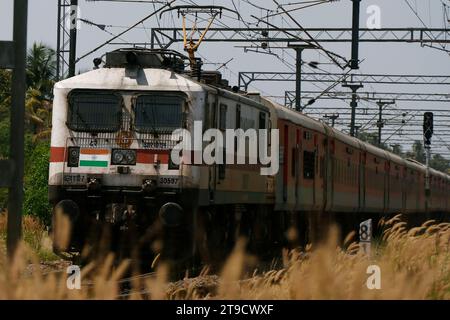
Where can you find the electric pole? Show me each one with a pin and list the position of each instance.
(354, 62)
(17, 130)
(353, 104)
(380, 123)
(427, 135)
(332, 117)
(73, 36)
(298, 74)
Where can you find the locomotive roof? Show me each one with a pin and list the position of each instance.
(126, 79)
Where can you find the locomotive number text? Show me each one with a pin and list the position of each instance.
(168, 181)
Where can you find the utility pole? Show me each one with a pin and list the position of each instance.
(380, 122)
(73, 36)
(354, 62)
(17, 130)
(298, 73)
(332, 117)
(353, 104)
(427, 135)
(357, 127)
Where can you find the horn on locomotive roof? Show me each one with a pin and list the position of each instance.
(191, 45)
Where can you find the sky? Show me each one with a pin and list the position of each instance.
(378, 58)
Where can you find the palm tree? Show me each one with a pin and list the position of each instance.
(41, 69)
(38, 114)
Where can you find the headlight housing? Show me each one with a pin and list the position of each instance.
(123, 157)
(73, 157)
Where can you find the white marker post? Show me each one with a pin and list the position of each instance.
(365, 236)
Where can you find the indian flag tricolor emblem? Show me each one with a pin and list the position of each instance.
(94, 158)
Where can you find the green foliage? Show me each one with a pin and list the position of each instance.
(41, 69)
(5, 90)
(4, 138)
(36, 183)
(418, 152)
(372, 138)
(438, 162)
(397, 149)
(5, 79)
(40, 74)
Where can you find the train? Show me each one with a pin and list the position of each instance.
(111, 165)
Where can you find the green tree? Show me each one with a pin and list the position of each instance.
(41, 69)
(36, 182)
(5, 92)
(372, 138)
(5, 101)
(397, 149)
(418, 152)
(41, 65)
(438, 162)
(38, 113)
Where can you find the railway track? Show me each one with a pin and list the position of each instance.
(125, 285)
(139, 286)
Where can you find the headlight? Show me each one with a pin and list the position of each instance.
(117, 157)
(123, 157)
(130, 157)
(73, 158)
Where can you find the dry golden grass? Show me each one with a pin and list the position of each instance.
(414, 265)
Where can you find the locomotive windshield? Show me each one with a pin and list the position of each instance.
(94, 112)
(158, 113)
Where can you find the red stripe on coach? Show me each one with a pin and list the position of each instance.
(148, 156)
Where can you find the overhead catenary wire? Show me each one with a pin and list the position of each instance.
(125, 31)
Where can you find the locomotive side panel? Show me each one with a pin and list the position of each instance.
(241, 183)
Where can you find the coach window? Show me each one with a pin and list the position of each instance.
(262, 120)
(223, 117)
(238, 116)
(308, 165)
(269, 134)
